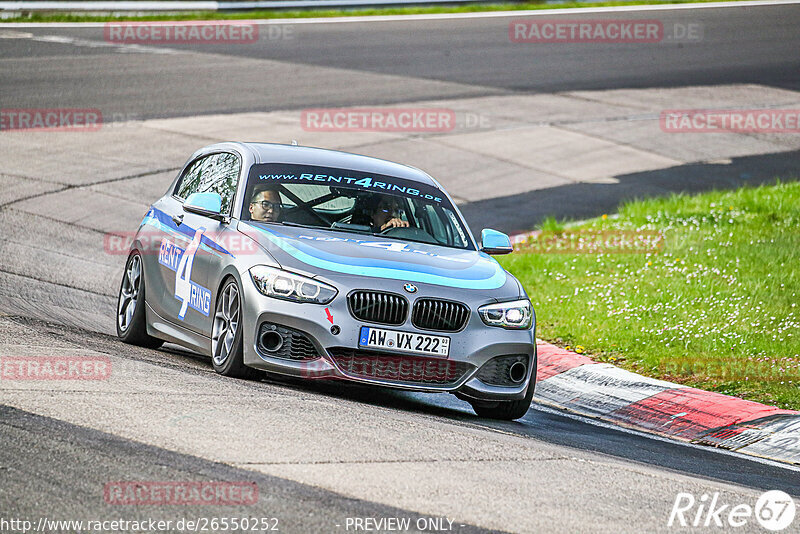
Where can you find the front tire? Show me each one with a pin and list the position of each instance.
(227, 348)
(507, 410)
(131, 320)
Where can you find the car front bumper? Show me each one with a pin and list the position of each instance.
(470, 348)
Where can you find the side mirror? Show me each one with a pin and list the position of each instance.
(206, 204)
(494, 242)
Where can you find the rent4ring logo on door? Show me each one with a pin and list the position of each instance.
(190, 294)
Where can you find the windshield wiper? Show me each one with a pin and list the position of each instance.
(288, 223)
(328, 228)
(434, 243)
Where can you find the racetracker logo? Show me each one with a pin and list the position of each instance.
(153, 243)
(55, 367)
(729, 120)
(51, 119)
(181, 32)
(762, 368)
(181, 493)
(378, 120)
(602, 31)
(392, 368)
(592, 242)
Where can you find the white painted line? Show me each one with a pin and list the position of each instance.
(108, 6)
(207, 5)
(449, 16)
(73, 41)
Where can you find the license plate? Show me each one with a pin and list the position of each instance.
(394, 340)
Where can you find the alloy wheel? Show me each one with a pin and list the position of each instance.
(226, 324)
(129, 293)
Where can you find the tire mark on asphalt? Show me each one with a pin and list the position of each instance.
(59, 221)
(57, 252)
(58, 284)
(90, 184)
(31, 178)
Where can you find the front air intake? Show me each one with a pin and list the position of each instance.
(378, 307)
(277, 341)
(508, 371)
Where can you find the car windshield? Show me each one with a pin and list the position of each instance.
(352, 201)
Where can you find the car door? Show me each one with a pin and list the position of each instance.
(192, 254)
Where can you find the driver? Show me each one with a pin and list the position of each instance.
(387, 215)
(265, 205)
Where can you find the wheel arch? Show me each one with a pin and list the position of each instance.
(227, 273)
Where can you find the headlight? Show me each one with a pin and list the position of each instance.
(515, 314)
(281, 284)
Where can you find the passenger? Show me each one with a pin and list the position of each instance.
(265, 205)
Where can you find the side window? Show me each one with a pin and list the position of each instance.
(217, 173)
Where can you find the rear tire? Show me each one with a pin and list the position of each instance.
(131, 319)
(227, 348)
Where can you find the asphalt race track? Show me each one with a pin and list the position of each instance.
(321, 453)
(347, 63)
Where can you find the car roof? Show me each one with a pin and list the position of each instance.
(303, 155)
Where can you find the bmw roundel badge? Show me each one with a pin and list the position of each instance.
(411, 288)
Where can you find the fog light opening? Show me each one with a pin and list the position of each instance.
(271, 341)
(517, 372)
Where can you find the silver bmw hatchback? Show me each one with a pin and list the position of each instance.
(327, 265)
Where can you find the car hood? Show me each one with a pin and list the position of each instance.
(326, 253)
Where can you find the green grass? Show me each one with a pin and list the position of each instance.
(718, 307)
(275, 14)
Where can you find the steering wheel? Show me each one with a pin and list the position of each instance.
(386, 231)
(320, 217)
